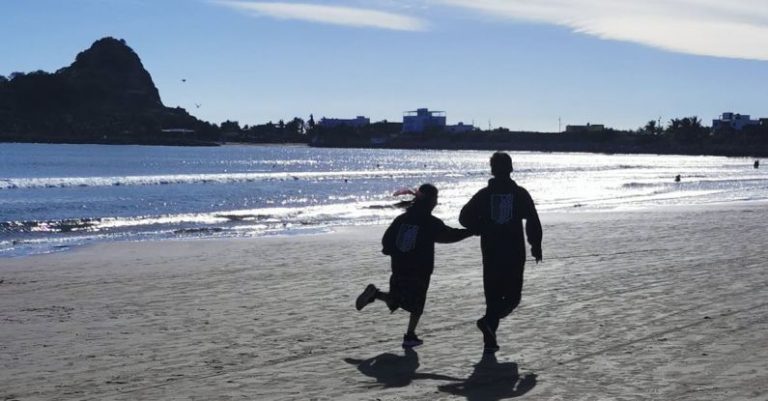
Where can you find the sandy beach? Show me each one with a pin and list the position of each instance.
(661, 304)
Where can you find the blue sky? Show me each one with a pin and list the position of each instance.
(516, 63)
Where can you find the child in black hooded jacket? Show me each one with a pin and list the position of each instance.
(410, 242)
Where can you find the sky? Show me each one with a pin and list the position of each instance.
(521, 64)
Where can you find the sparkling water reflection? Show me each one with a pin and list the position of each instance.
(54, 196)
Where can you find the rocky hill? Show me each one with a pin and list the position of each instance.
(105, 96)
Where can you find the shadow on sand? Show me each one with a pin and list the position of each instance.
(392, 370)
(492, 381)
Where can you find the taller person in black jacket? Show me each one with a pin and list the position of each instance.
(496, 213)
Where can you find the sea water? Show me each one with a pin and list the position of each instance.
(53, 197)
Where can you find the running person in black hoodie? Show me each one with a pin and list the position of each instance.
(410, 242)
(496, 213)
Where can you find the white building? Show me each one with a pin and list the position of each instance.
(733, 121)
(460, 128)
(585, 128)
(357, 122)
(422, 120)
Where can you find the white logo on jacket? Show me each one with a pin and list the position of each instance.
(406, 237)
(501, 208)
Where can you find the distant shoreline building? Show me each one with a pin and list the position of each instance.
(460, 128)
(357, 122)
(734, 121)
(585, 128)
(423, 120)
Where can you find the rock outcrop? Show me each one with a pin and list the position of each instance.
(105, 96)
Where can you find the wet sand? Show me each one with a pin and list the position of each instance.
(667, 304)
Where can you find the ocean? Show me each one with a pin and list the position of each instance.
(55, 197)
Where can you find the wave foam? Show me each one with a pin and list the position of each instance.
(69, 182)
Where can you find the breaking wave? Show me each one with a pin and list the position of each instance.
(226, 178)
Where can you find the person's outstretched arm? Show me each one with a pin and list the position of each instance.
(533, 230)
(449, 235)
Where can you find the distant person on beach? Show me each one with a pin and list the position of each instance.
(410, 242)
(757, 163)
(496, 213)
(677, 178)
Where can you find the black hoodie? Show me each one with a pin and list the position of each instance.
(496, 213)
(410, 241)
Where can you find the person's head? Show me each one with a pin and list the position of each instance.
(426, 197)
(501, 165)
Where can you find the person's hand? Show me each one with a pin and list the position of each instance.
(536, 252)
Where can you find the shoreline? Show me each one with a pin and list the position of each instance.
(327, 230)
(504, 146)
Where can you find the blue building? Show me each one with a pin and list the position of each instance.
(422, 120)
(733, 121)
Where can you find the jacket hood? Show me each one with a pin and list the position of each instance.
(418, 210)
(501, 184)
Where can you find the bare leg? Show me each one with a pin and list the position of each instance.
(390, 301)
(382, 296)
(410, 339)
(412, 322)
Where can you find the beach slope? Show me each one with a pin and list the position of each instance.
(656, 304)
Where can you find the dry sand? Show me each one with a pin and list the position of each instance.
(668, 304)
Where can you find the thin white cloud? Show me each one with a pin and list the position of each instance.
(720, 28)
(329, 14)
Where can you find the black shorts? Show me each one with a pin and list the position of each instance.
(408, 292)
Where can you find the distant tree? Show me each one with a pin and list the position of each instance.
(295, 127)
(652, 128)
(311, 122)
(16, 74)
(281, 125)
(688, 129)
(685, 123)
(3, 79)
(230, 126)
(692, 122)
